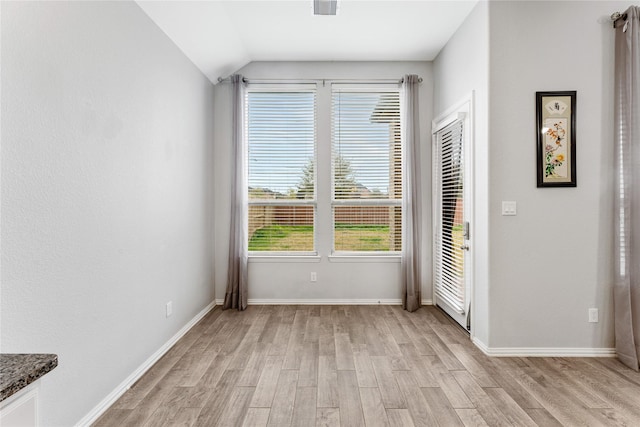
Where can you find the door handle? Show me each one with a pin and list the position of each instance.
(464, 247)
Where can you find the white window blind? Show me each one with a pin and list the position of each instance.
(281, 147)
(366, 170)
(449, 235)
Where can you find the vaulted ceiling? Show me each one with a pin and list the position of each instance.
(221, 36)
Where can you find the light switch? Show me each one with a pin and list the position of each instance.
(508, 208)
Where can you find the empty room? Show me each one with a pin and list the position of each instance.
(319, 213)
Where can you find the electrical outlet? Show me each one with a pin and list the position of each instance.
(593, 315)
(314, 277)
(169, 308)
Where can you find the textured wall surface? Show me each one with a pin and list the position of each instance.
(462, 69)
(106, 194)
(539, 272)
(553, 261)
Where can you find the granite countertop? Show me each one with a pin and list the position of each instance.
(19, 370)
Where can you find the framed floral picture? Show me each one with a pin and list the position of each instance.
(556, 138)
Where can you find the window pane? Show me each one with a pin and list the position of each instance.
(367, 155)
(281, 145)
(367, 228)
(367, 164)
(280, 128)
(281, 228)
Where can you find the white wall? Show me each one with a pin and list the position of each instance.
(536, 274)
(460, 68)
(552, 261)
(353, 280)
(106, 205)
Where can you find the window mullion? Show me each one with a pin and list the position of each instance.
(324, 222)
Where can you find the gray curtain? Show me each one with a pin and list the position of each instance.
(627, 189)
(236, 295)
(412, 198)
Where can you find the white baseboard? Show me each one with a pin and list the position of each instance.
(543, 351)
(293, 301)
(95, 413)
(355, 301)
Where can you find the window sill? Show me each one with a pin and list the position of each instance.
(284, 258)
(365, 258)
(332, 258)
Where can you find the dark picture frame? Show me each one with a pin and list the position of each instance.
(556, 138)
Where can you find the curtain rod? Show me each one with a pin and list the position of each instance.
(617, 15)
(352, 81)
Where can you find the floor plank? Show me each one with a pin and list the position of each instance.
(349, 399)
(416, 403)
(309, 365)
(374, 412)
(453, 391)
(392, 398)
(256, 417)
(185, 417)
(399, 418)
(327, 417)
(327, 382)
(217, 401)
(304, 412)
(237, 406)
(266, 387)
(284, 398)
(440, 407)
(514, 413)
(364, 368)
(487, 408)
(542, 417)
(344, 352)
(471, 418)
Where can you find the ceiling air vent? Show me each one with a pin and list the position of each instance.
(325, 7)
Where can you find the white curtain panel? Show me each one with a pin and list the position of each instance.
(627, 191)
(237, 280)
(412, 198)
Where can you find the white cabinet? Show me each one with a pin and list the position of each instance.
(21, 409)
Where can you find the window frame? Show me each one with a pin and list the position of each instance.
(324, 200)
(338, 202)
(284, 88)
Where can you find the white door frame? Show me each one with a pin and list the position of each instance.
(464, 109)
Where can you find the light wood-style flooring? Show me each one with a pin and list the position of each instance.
(365, 366)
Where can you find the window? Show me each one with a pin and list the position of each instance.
(367, 171)
(352, 176)
(280, 134)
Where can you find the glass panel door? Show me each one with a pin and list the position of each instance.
(451, 244)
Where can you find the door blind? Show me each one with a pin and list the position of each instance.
(449, 256)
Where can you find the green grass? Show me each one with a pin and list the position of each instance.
(350, 237)
(282, 238)
(300, 238)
